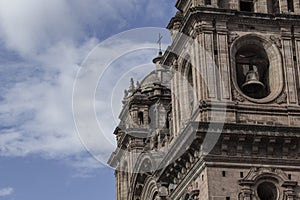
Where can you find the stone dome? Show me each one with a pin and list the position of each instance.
(157, 77)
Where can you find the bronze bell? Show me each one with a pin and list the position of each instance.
(252, 84)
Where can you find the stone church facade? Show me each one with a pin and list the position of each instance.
(219, 117)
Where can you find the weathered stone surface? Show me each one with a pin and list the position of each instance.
(203, 136)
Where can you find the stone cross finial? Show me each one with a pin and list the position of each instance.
(159, 42)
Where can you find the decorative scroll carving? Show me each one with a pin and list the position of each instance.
(203, 103)
(255, 174)
(237, 96)
(197, 30)
(282, 99)
(276, 41)
(233, 37)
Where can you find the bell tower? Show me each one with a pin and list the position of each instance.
(233, 106)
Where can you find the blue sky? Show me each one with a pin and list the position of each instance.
(43, 45)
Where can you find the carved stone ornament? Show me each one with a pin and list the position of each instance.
(203, 103)
(175, 64)
(237, 96)
(282, 99)
(256, 173)
(198, 28)
(276, 41)
(233, 37)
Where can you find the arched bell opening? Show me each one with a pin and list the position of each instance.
(257, 72)
(252, 65)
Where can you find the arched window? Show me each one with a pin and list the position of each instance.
(290, 4)
(187, 71)
(252, 67)
(141, 118)
(190, 87)
(257, 68)
(273, 6)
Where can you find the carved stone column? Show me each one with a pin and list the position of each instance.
(289, 189)
(246, 193)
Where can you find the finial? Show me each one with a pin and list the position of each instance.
(138, 84)
(160, 37)
(131, 87)
(125, 93)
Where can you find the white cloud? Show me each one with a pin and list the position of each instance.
(32, 26)
(6, 191)
(52, 38)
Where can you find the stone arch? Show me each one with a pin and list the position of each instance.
(186, 87)
(140, 176)
(150, 189)
(275, 66)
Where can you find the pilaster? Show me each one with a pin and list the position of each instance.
(289, 65)
(283, 6)
(261, 6)
(234, 4)
(223, 60)
(207, 38)
(296, 7)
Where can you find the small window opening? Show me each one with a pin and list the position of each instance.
(207, 2)
(276, 8)
(246, 6)
(141, 118)
(290, 176)
(202, 177)
(223, 173)
(290, 5)
(242, 174)
(216, 52)
(168, 119)
(227, 198)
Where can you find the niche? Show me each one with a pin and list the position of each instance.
(141, 118)
(257, 68)
(246, 5)
(290, 5)
(252, 71)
